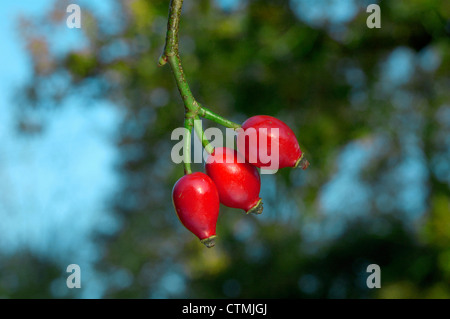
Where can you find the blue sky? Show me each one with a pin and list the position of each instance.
(53, 186)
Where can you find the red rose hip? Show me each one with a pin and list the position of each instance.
(267, 142)
(196, 202)
(237, 181)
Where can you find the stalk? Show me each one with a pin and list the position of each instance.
(210, 115)
(193, 109)
(201, 135)
(188, 123)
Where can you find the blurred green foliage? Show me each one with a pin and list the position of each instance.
(262, 59)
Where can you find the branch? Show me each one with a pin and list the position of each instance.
(171, 45)
(170, 54)
(192, 108)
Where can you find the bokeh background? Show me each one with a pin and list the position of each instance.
(86, 174)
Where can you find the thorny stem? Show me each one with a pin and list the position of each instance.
(171, 55)
(193, 109)
(191, 106)
(171, 46)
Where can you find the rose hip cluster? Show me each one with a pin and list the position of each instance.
(231, 178)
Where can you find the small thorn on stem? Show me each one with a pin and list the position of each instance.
(209, 242)
(162, 60)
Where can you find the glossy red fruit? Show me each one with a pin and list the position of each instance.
(259, 143)
(237, 181)
(196, 202)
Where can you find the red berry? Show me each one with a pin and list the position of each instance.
(257, 140)
(237, 181)
(196, 202)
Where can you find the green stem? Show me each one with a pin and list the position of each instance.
(188, 124)
(210, 115)
(189, 101)
(201, 135)
(171, 45)
(192, 108)
(171, 55)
